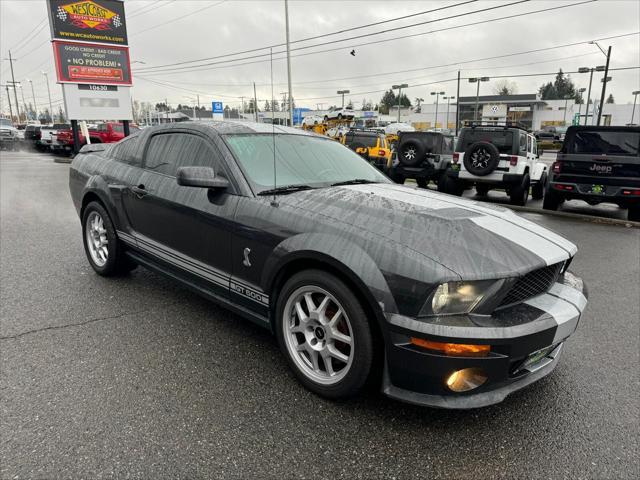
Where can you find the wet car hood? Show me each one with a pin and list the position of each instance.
(475, 240)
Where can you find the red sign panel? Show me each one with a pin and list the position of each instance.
(92, 63)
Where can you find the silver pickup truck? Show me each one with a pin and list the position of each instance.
(48, 134)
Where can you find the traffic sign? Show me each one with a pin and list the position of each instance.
(217, 107)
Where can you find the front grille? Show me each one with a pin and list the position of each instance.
(532, 284)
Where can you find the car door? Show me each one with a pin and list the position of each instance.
(187, 229)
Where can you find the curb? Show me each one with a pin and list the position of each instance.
(576, 216)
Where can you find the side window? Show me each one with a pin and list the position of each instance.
(535, 147)
(529, 144)
(169, 151)
(523, 142)
(124, 151)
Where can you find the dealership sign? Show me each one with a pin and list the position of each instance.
(94, 102)
(87, 63)
(99, 21)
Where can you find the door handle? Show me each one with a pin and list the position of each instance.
(140, 191)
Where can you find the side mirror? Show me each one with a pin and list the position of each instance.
(203, 177)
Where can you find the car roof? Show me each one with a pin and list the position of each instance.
(232, 128)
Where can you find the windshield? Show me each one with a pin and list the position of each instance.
(300, 160)
(604, 142)
(366, 140)
(117, 128)
(502, 139)
(5, 122)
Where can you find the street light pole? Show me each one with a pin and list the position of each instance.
(564, 117)
(635, 99)
(399, 88)
(448, 99)
(46, 76)
(286, 14)
(437, 94)
(342, 92)
(33, 94)
(599, 68)
(604, 84)
(477, 80)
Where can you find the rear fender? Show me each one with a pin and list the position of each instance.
(537, 170)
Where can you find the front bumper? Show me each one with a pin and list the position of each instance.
(416, 375)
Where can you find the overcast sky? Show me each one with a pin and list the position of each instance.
(163, 32)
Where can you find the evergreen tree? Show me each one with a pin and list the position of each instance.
(610, 99)
(267, 106)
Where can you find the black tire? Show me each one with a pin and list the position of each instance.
(633, 214)
(520, 193)
(339, 116)
(363, 352)
(451, 186)
(117, 262)
(326, 118)
(537, 190)
(397, 177)
(551, 200)
(481, 158)
(442, 182)
(482, 189)
(422, 182)
(410, 153)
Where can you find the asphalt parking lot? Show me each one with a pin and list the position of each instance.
(138, 377)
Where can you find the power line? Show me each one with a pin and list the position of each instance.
(38, 27)
(173, 20)
(314, 37)
(198, 68)
(139, 11)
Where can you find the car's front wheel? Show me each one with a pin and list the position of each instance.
(324, 334)
(101, 244)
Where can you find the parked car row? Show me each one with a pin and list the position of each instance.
(58, 138)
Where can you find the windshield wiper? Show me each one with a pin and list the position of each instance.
(285, 189)
(355, 181)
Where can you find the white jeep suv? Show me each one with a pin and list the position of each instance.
(497, 156)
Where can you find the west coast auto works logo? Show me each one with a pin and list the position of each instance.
(89, 15)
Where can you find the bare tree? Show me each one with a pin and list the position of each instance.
(505, 87)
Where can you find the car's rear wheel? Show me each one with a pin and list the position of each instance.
(551, 200)
(482, 190)
(537, 190)
(520, 193)
(104, 250)
(324, 334)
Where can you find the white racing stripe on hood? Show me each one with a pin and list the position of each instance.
(539, 240)
(563, 312)
(540, 246)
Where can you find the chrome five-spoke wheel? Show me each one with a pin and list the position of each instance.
(96, 236)
(318, 335)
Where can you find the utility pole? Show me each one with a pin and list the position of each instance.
(11, 110)
(242, 108)
(46, 76)
(604, 84)
(255, 102)
(342, 92)
(286, 14)
(13, 82)
(198, 98)
(458, 105)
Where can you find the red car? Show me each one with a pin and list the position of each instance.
(107, 132)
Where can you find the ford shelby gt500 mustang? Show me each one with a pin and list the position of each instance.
(442, 301)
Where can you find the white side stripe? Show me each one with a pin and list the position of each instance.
(570, 295)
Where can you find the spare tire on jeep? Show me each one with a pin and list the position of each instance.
(481, 158)
(410, 152)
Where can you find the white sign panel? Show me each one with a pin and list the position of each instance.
(97, 102)
(520, 109)
(496, 110)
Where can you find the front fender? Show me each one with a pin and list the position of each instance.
(97, 186)
(339, 253)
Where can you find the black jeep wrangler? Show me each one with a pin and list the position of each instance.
(422, 156)
(597, 165)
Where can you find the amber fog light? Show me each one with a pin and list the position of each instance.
(466, 379)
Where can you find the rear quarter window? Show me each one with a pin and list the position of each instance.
(125, 151)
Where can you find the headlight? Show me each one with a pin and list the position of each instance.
(455, 298)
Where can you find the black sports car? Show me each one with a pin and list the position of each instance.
(443, 301)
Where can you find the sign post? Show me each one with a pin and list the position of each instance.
(91, 53)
